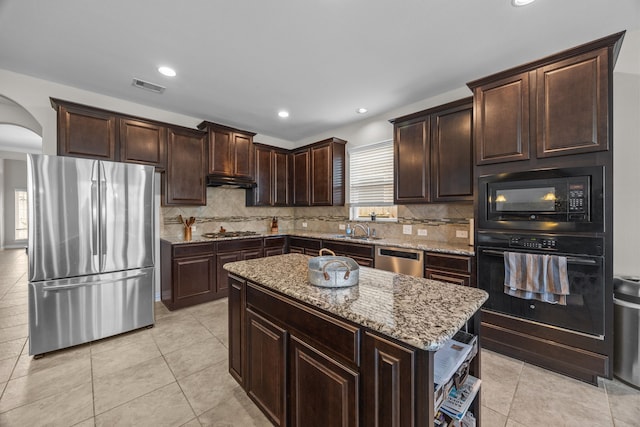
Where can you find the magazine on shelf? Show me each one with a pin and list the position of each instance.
(467, 421)
(448, 359)
(458, 401)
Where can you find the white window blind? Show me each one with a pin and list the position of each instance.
(371, 174)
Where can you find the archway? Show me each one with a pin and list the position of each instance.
(20, 133)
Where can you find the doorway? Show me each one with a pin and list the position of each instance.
(20, 134)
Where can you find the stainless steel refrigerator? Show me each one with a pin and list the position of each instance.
(91, 250)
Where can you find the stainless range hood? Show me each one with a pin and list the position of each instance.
(227, 181)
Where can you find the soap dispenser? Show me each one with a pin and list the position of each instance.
(348, 231)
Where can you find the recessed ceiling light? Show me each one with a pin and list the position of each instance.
(167, 71)
(518, 3)
(361, 110)
(283, 114)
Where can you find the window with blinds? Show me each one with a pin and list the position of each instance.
(371, 181)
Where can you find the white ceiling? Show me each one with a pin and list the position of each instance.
(240, 61)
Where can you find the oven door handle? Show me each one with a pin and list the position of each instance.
(570, 259)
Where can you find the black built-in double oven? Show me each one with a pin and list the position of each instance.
(549, 211)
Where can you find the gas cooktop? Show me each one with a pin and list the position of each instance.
(219, 235)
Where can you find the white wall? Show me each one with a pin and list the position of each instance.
(15, 178)
(1, 204)
(626, 158)
(377, 128)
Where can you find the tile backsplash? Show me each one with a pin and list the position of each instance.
(226, 208)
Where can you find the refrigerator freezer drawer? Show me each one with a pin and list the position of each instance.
(68, 312)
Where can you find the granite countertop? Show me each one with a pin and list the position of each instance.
(410, 242)
(420, 312)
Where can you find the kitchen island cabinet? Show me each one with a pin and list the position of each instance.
(342, 357)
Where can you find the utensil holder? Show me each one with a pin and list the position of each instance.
(187, 233)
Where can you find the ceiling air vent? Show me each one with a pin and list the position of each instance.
(148, 86)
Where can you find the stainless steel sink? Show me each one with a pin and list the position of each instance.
(342, 236)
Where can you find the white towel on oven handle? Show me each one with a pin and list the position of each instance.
(536, 276)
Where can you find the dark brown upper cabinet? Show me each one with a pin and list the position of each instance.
(412, 161)
(186, 166)
(300, 170)
(555, 106)
(328, 172)
(85, 131)
(94, 133)
(230, 151)
(452, 154)
(143, 142)
(272, 177)
(573, 98)
(501, 124)
(433, 152)
(318, 174)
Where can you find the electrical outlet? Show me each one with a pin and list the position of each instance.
(193, 228)
(422, 232)
(342, 227)
(304, 225)
(407, 229)
(462, 233)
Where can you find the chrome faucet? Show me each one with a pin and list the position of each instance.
(364, 228)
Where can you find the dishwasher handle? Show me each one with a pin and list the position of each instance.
(398, 253)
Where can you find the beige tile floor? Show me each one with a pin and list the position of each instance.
(175, 374)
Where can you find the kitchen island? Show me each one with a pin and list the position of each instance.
(342, 357)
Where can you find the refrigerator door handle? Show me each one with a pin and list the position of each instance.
(103, 216)
(94, 209)
(97, 282)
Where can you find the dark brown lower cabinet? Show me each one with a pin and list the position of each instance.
(236, 315)
(303, 245)
(230, 251)
(361, 253)
(390, 371)
(452, 268)
(323, 392)
(276, 245)
(188, 274)
(266, 380)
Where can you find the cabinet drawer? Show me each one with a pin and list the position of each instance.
(332, 336)
(439, 261)
(348, 249)
(239, 244)
(191, 249)
(271, 242)
(446, 276)
(301, 242)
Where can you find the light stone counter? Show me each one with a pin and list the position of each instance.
(410, 242)
(420, 312)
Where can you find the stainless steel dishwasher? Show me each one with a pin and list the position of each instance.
(400, 260)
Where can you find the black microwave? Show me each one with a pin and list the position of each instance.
(570, 199)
